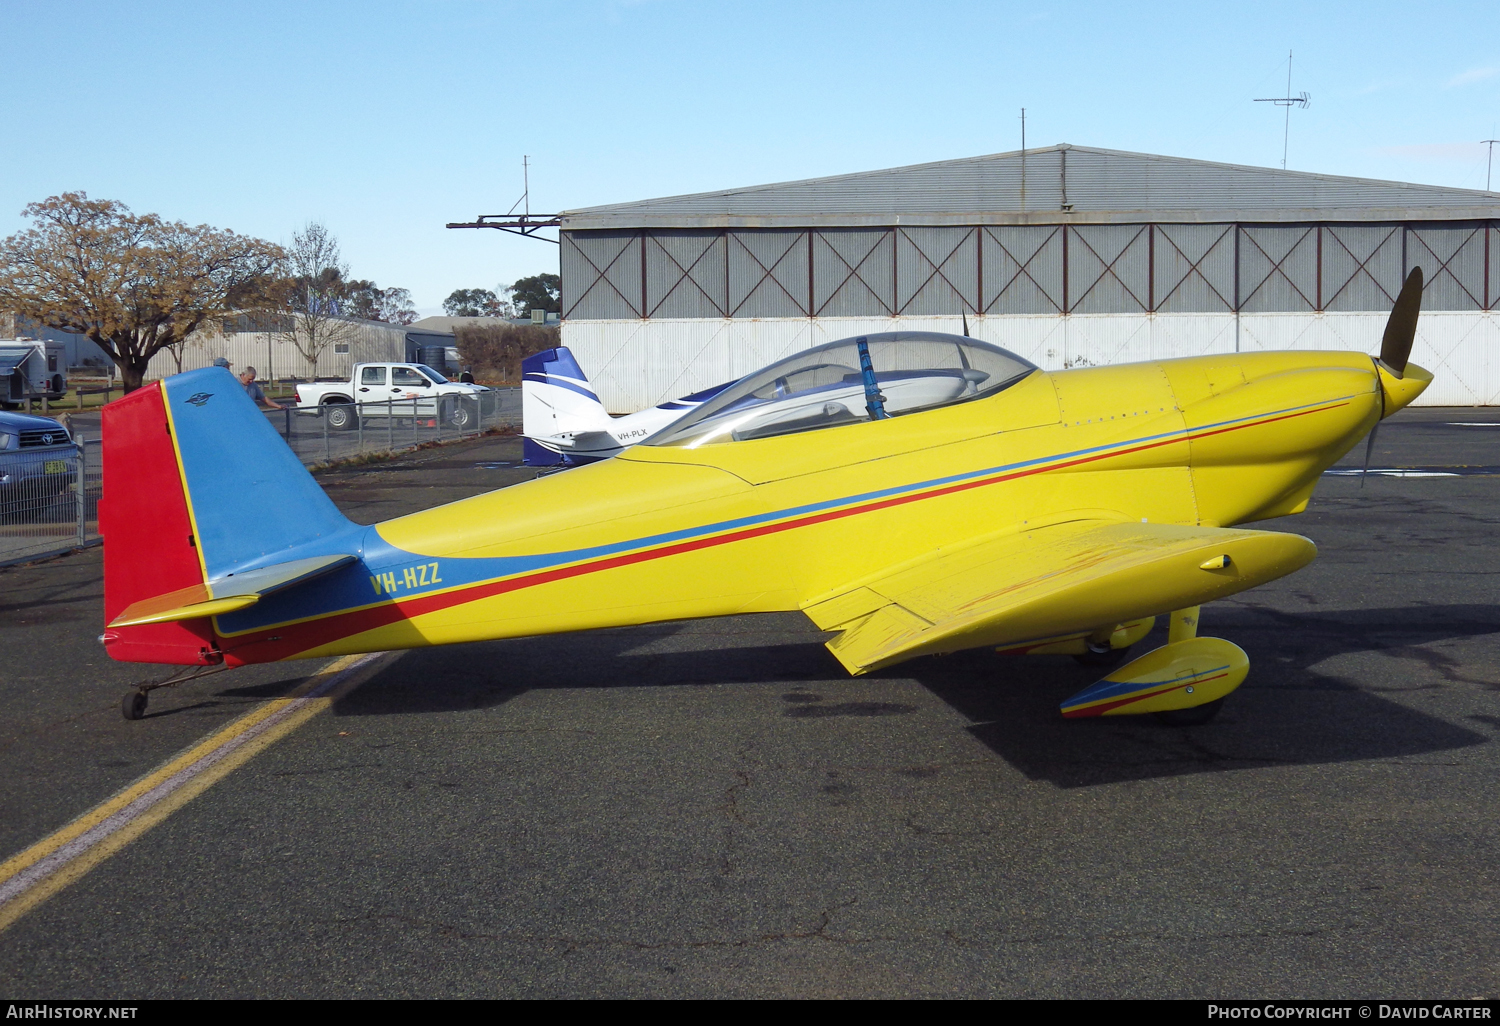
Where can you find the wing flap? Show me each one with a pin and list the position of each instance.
(228, 593)
(1074, 576)
(842, 610)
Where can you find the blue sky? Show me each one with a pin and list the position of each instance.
(384, 121)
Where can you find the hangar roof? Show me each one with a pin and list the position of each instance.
(1063, 184)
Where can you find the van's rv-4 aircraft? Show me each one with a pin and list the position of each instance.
(912, 492)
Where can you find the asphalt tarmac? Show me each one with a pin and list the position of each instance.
(712, 808)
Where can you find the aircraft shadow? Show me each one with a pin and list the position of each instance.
(1286, 713)
(486, 674)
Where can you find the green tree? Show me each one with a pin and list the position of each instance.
(539, 292)
(132, 283)
(370, 302)
(474, 303)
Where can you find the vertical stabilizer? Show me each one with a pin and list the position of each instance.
(556, 400)
(198, 486)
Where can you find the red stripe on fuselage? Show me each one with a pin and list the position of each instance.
(291, 639)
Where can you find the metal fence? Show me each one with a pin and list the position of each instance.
(339, 431)
(50, 503)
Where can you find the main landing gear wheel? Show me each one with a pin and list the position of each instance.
(133, 705)
(1194, 717)
(1102, 657)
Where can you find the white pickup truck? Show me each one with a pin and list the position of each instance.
(392, 390)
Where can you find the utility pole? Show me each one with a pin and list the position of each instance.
(1490, 162)
(1288, 101)
(1023, 160)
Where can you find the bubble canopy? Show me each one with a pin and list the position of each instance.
(870, 377)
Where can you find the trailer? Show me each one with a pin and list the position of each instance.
(32, 368)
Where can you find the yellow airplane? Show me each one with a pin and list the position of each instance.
(911, 492)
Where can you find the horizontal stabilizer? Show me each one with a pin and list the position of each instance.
(228, 593)
(585, 441)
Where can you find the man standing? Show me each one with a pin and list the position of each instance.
(255, 392)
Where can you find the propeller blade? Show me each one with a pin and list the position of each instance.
(965, 316)
(1369, 448)
(1401, 329)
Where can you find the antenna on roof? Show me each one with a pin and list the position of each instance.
(526, 187)
(1303, 100)
(517, 224)
(1023, 163)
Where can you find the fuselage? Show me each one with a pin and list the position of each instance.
(665, 532)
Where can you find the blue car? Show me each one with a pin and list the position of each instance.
(38, 465)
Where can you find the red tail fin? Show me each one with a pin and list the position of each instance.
(148, 536)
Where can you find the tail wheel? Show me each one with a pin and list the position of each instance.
(340, 415)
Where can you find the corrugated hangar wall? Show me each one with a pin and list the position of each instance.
(656, 313)
(1069, 256)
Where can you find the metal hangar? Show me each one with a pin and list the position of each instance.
(1068, 255)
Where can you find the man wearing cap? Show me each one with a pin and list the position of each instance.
(255, 392)
(247, 379)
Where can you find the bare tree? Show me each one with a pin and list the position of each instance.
(311, 296)
(132, 283)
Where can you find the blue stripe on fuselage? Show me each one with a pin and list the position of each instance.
(351, 587)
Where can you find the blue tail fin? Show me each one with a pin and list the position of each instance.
(557, 361)
(249, 497)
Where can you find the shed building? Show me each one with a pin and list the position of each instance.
(1069, 256)
(274, 357)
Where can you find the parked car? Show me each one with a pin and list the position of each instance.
(392, 390)
(38, 465)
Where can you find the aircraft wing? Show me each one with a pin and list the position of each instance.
(1067, 577)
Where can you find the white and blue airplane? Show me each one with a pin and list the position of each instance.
(563, 423)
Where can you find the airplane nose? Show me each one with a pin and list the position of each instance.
(1399, 392)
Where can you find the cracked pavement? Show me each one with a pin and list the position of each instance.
(712, 809)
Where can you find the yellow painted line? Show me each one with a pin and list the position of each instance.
(52, 864)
